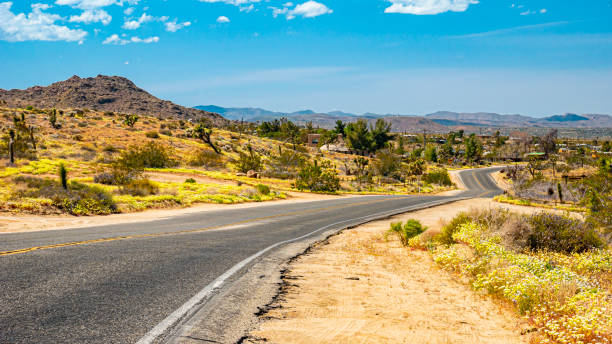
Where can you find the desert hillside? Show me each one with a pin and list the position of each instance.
(102, 93)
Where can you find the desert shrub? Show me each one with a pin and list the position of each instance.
(152, 154)
(76, 199)
(408, 230)
(446, 235)
(284, 165)
(104, 178)
(248, 160)
(262, 189)
(538, 232)
(82, 124)
(317, 177)
(388, 164)
(141, 187)
(166, 132)
(131, 163)
(562, 234)
(206, 158)
(438, 176)
(152, 134)
(190, 181)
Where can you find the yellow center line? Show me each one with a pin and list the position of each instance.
(187, 231)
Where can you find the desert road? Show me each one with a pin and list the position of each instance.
(129, 283)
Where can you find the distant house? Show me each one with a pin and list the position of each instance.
(313, 140)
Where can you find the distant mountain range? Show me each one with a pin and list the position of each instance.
(327, 120)
(118, 94)
(103, 93)
(440, 121)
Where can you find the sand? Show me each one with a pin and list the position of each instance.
(363, 287)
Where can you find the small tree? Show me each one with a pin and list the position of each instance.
(53, 118)
(203, 132)
(63, 174)
(431, 154)
(358, 136)
(339, 129)
(362, 164)
(560, 192)
(473, 149)
(534, 166)
(318, 177)
(130, 120)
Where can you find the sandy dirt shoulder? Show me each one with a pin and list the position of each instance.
(362, 286)
(11, 223)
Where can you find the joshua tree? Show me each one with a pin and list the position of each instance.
(130, 120)
(63, 174)
(12, 146)
(202, 132)
(560, 192)
(53, 118)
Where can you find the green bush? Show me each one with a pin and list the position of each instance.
(262, 189)
(408, 230)
(446, 235)
(131, 163)
(438, 176)
(190, 181)
(141, 187)
(248, 161)
(317, 177)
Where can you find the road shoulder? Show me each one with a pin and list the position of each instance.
(360, 286)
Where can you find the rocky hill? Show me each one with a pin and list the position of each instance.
(102, 93)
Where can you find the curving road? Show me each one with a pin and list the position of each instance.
(120, 283)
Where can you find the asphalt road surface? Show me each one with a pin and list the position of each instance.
(113, 284)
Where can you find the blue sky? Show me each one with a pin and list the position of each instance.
(535, 57)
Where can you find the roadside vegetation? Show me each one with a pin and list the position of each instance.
(112, 163)
(556, 270)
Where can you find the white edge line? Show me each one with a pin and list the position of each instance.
(188, 306)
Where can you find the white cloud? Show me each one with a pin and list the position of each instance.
(173, 26)
(35, 26)
(247, 9)
(92, 16)
(543, 10)
(223, 19)
(428, 7)
(308, 9)
(136, 23)
(116, 40)
(232, 2)
(88, 4)
(128, 11)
